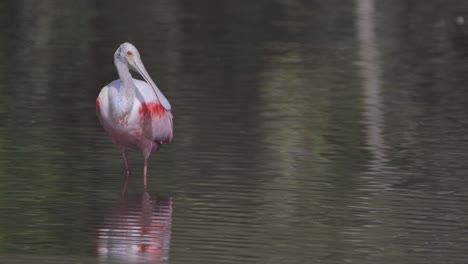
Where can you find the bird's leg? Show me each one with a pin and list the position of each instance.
(145, 169)
(146, 154)
(123, 193)
(125, 160)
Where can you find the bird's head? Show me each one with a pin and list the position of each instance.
(128, 54)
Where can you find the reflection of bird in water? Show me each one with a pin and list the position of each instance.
(134, 113)
(137, 231)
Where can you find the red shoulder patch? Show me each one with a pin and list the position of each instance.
(98, 105)
(152, 109)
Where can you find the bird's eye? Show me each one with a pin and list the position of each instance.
(129, 53)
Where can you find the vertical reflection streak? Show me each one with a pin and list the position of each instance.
(370, 71)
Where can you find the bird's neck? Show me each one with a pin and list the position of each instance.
(122, 102)
(127, 87)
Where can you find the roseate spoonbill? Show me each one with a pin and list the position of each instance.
(134, 113)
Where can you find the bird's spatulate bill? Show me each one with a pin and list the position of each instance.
(161, 98)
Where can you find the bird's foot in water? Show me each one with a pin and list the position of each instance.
(124, 190)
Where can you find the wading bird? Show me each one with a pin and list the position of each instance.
(134, 113)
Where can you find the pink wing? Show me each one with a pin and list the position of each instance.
(155, 120)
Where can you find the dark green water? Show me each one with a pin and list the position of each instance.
(304, 132)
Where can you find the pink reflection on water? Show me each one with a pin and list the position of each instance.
(137, 230)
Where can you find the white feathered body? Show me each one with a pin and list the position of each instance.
(142, 124)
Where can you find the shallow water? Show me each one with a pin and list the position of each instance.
(305, 131)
